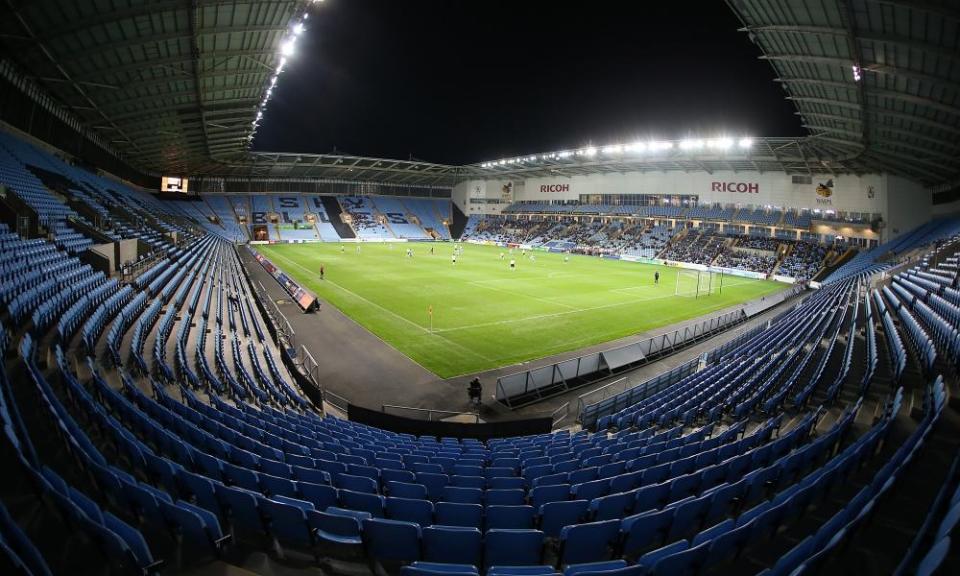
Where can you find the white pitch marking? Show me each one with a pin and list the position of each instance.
(521, 294)
(391, 312)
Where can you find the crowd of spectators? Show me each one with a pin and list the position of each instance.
(618, 237)
(695, 248)
(511, 230)
(362, 216)
(759, 243)
(804, 261)
(751, 261)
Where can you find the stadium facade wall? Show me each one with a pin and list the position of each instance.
(903, 204)
(909, 206)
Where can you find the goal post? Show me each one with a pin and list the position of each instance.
(697, 283)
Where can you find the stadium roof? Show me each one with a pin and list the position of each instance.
(173, 85)
(176, 87)
(790, 155)
(877, 78)
(337, 167)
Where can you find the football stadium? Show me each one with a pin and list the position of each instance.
(569, 340)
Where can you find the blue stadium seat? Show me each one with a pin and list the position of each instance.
(513, 497)
(682, 563)
(320, 495)
(465, 515)
(594, 567)
(410, 510)
(452, 544)
(336, 527)
(421, 568)
(407, 490)
(391, 540)
(588, 542)
(555, 515)
(510, 517)
(462, 495)
(363, 501)
(240, 506)
(513, 547)
(645, 531)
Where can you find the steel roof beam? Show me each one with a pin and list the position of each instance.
(138, 99)
(825, 101)
(138, 66)
(148, 8)
(46, 51)
(917, 100)
(830, 60)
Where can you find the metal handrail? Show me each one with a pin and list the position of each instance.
(431, 411)
(581, 399)
(341, 404)
(565, 408)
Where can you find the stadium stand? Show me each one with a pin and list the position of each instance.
(154, 421)
(364, 219)
(214, 447)
(677, 480)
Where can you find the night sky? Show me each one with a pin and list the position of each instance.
(463, 81)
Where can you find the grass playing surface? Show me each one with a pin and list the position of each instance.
(486, 315)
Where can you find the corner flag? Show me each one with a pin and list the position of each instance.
(430, 312)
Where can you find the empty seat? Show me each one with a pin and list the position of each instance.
(515, 517)
(555, 515)
(452, 544)
(410, 510)
(588, 542)
(407, 490)
(364, 501)
(286, 522)
(391, 540)
(453, 514)
(462, 495)
(436, 568)
(337, 528)
(513, 547)
(514, 497)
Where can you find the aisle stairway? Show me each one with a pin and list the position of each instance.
(335, 212)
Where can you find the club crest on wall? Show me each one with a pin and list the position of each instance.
(825, 189)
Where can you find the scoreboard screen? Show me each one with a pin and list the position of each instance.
(174, 185)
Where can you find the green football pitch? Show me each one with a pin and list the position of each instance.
(486, 315)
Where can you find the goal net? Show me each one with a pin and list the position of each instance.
(697, 283)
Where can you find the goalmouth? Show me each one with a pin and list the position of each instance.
(698, 283)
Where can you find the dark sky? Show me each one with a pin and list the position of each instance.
(462, 81)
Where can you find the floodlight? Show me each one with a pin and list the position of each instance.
(287, 47)
(591, 151)
(720, 143)
(746, 142)
(658, 145)
(691, 144)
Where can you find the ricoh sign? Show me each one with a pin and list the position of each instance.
(554, 188)
(735, 187)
